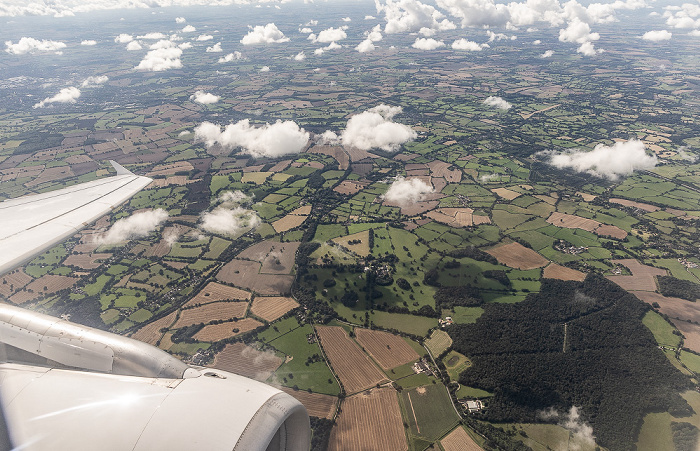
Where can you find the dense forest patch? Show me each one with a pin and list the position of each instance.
(608, 365)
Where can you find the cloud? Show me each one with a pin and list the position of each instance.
(536, 42)
(306, 30)
(205, 98)
(135, 226)
(265, 69)
(411, 16)
(88, 42)
(234, 197)
(227, 221)
(685, 16)
(185, 46)
(180, 20)
(332, 35)
(204, 37)
(375, 34)
(299, 56)
(588, 49)
(370, 18)
(161, 58)
(152, 36)
(31, 45)
(346, 19)
(374, 129)
(124, 38)
(65, 95)
(547, 54)
(216, 48)
(694, 33)
(622, 158)
(407, 192)
(581, 433)
(365, 46)
(497, 102)
(269, 140)
(133, 45)
(331, 46)
(657, 35)
(463, 44)
(328, 137)
(580, 33)
(189, 29)
(235, 56)
(686, 155)
(427, 44)
(91, 82)
(268, 34)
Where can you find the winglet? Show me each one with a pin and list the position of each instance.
(120, 169)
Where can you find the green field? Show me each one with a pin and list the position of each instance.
(314, 376)
(662, 330)
(455, 364)
(428, 411)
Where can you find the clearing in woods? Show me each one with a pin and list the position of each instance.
(438, 342)
(387, 349)
(354, 368)
(369, 420)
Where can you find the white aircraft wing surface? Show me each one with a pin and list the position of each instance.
(64, 386)
(29, 225)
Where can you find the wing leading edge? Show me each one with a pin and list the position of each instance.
(32, 224)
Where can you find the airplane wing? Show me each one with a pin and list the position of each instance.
(32, 224)
(67, 386)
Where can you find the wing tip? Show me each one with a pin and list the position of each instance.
(121, 170)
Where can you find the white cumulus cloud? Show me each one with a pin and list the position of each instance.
(300, 56)
(265, 69)
(547, 54)
(228, 221)
(497, 102)
(375, 129)
(235, 56)
(365, 46)
(216, 48)
(205, 98)
(152, 36)
(427, 44)
(180, 20)
(133, 46)
(411, 16)
(269, 140)
(31, 45)
(204, 37)
(189, 29)
(657, 35)
(91, 82)
(135, 226)
(407, 192)
(124, 38)
(88, 42)
(267, 34)
(162, 58)
(622, 158)
(65, 95)
(464, 44)
(331, 35)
